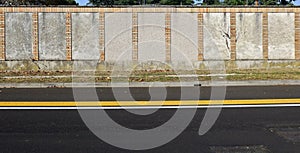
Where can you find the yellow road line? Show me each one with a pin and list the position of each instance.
(148, 103)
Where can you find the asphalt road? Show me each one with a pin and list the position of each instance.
(260, 130)
(172, 93)
(64, 131)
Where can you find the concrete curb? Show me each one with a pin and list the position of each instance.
(153, 84)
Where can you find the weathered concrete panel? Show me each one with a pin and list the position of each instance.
(18, 36)
(281, 36)
(85, 36)
(52, 36)
(249, 36)
(184, 37)
(118, 37)
(216, 35)
(151, 37)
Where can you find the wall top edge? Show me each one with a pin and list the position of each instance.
(153, 9)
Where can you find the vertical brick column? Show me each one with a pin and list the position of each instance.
(35, 36)
(200, 37)
(265, 36)
(233, 36)
(102, 36)
(134, 36)
(69, 35)
(297, 36)
(2, 36)
(168, 36)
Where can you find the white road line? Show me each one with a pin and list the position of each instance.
(149, 107)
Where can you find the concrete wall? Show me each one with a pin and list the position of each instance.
(118, 37)
(226, 34)
(85, 36)
(249, 36)
(18, 36)
(52, 36)
(184, 39)
(151, 37)
(216, 36)
(281, 36)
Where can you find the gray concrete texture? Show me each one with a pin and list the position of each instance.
(249, 36)
(52, 36)
(18, 36)
(184, 37)
(216, 35)
(85, 36)
(151, 36)
(118, 37)
(281, 36)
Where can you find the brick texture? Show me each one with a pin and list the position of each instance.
(35, 36)
(102, 36)
(200, 37)
(265, 36)
(134, 36)
(168, 36)
(2, 36)
(69, 35)
(233, 36)
(150, 9)
(297, 36)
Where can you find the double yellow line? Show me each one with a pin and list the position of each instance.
(147, 103)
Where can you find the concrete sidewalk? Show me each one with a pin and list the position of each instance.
(153, 84)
